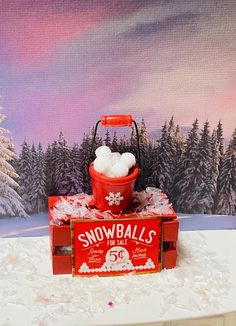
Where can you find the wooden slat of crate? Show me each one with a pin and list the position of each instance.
(60, 236)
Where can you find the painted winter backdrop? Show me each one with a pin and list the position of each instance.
(194, 170)
(64, 64)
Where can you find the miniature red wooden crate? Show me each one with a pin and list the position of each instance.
(61, 242)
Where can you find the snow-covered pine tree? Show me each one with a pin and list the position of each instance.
(133, 142)
(200, 194)
(220, 139)
(184, 176)
(152, 155)
(215, 170)
(144, 156)
(38, 183)
(124, 144)
(227, 180)
(42, 196)
(34, 180)
(84, 153)
(50, 168)
(143, 135)
(50, 158)
(25, 173)
(62, 169)
(177, 142)
(154, 178)
(15, 160)
(180, 144)
(38, 194)
(203, 198)
(115, 144)
(98, 141)
(171, 125)
(86, 159)
(164, 167)
(76, 176)
(107, 139)
(178, 152)
(161, 170)
(10, 201)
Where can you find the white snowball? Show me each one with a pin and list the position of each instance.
(109, 173)
(128, 159)
(102, 164)
(119, 169)
(115, 157)
(103, 151)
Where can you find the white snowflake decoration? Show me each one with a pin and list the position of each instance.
(114, 198)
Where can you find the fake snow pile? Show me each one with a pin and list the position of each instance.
(149, 201)
(200, 282)
(113, 165)
(70, 207)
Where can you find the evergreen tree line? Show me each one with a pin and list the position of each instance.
(196, 172)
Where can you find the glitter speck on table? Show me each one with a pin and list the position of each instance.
(110, 304)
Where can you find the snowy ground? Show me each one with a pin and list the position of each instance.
(191, 222)
(37, 224)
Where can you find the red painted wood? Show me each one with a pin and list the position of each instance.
(102, 186)
(60, 236)
(117, 120)
(61, 264)
(169, 259)
(170, 230)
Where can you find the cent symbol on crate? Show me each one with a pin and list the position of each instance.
(114, 198)
(116, 257)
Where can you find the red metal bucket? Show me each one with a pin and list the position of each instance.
(114, 194)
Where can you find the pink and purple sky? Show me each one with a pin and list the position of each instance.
(65, 63)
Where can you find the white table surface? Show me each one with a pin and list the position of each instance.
(202, 284)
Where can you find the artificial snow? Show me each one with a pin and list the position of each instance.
(113, 165)
(128, 159)
(102, 164)
(103, 151)
(152, 200)
(119, 170)
(200, 283)
(115, 157)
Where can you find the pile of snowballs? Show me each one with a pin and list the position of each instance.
(113, 165)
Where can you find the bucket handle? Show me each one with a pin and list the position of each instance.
(117, 120)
